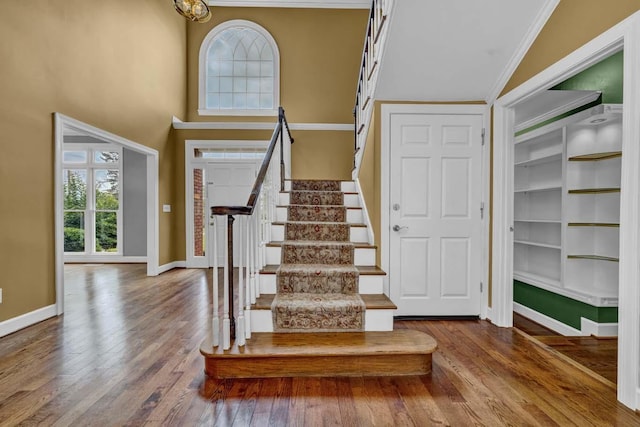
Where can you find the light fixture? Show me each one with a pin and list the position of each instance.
(600, 120)
(193, 10)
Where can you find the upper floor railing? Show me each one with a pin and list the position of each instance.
(253, 232)
(371, 55)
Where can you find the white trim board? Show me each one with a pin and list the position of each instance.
(20, 322)
(104, 259)
(179, 124)
(315, 4)
(587, 327)
(533, 31)
(170, 266)
(625, 35)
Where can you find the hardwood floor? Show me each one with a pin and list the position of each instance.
(597, 354)
(126, 352)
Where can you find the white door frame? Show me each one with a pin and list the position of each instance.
(626, 36)
(60, 123)
(190, 163)
(385, 150)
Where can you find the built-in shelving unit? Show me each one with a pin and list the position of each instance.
(567, 206)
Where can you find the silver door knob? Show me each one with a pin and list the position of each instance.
(398, 228)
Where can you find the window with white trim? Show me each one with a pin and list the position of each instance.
(92, 207)
(239, 71)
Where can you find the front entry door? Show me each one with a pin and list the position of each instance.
(435, 214)
(228, 184)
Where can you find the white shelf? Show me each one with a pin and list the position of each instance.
(540, 160)
(592, 297)
(549, 221)
(538, 280)
(538, 189)
(538, 244)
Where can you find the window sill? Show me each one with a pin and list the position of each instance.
(249, 113)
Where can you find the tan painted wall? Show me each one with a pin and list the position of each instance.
(572, 24)
(118, 65)
(320, 54)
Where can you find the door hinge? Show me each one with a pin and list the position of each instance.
(481, 287)
(481, 210)
(483, 131)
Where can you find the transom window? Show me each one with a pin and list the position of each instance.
(239, 71)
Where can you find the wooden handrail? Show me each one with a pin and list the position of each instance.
(230, 211)
(257, 186)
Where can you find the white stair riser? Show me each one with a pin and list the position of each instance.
(362, 256)
(348, 186)
(354, 216)
(357, 234)
(366, 284)
(374, 320)
(350, 200)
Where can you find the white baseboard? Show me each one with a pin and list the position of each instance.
(589, 327)
(171, 266)
(16, 323)
(547, 321)
(489, 314)
(105, 259)
(638, 399)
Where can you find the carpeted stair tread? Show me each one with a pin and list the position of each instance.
(324, 213)
(317, 231)
(312, 252)
(317, 278)
(316, 185)
(303, 197)
(305, 312)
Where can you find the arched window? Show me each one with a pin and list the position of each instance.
(239, 71)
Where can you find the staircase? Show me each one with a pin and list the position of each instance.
(322, 310)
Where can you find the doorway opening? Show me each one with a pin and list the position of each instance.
(106, 199)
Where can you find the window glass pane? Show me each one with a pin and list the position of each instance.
(226, 84)
(239, 68)
(220, 50)
(266, 85)
(266, 55)
(226, 100)
(74, 156)
(213, 100)
(213, 84)
(106, 232)
(74, 183)
(239, 101)
(213, 68)
(253, 100)
(253, 69)
(107, 188)
(266, 68)
(266, 100)
(106, 157)
(233, 155)
(239, 84)
(74, 231)
(212, 155)
(226, 68)
(253, 84)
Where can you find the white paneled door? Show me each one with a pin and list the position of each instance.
(435, 214)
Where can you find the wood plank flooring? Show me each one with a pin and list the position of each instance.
(599, 354)
(126, 352)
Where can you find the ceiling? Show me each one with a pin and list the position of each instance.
(456, 50)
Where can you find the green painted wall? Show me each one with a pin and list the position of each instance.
(605, 76)
(561, 308)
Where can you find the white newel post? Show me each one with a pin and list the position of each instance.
(226, 323)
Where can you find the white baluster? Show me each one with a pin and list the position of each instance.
(252, 254)
(215, 321)
(247, 300)
(226, 323)
(240, 337)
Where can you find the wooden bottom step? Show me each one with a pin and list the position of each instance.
(399, 352)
